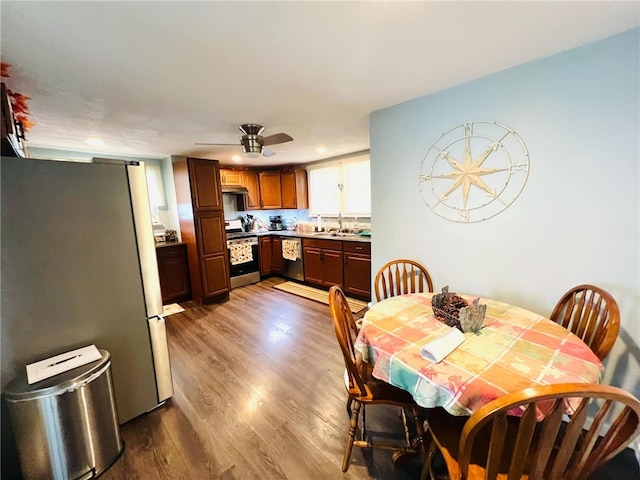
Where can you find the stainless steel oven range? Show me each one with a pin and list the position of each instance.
(242, 248)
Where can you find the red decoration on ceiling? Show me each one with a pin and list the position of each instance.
(18, 101)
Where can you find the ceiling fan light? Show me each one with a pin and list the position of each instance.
(251, 145)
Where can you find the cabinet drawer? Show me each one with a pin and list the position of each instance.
(171, 251)
(326, 244)
(363, 248)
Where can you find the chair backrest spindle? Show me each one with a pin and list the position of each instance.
(539, 444)
(402, 276)
(592, 314)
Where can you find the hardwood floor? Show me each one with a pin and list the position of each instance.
(258, 394)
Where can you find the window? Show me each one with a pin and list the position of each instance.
(155, 187)
(340, 187)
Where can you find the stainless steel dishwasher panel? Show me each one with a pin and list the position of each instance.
(293, 269)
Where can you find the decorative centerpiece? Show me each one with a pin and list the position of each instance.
(472, 317)
(455, 311)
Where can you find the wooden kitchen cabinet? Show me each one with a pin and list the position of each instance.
(275, 189)
(322, 262)
(205, 185)
(357, 269)
(294, 188)
(266, 253)
(199, 197)
(231, 178)
(173, 270)
(270, 255)
(251, 181)
(277, 262)
(270, 190)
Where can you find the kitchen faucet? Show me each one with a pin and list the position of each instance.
(340, 222)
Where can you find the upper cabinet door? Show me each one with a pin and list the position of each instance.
(270, 190)
(251, 181)
(231, 178)
(294, 188)
(205, 190)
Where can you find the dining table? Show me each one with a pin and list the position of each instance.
(514, 349)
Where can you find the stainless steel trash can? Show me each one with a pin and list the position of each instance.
(66, 426)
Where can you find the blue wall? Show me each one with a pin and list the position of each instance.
(578, 217)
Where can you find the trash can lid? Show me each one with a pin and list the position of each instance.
(19, 388)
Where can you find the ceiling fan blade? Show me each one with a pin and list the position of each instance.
(267, 153)
(276, 138)
(220, 144)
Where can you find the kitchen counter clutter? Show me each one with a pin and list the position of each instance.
(338, 236)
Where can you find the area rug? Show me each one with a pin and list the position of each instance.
(171, 309)
(317, 294)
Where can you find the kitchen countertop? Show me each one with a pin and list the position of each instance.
(351, 237)
(168, 244)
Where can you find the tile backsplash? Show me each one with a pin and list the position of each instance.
(289, 216)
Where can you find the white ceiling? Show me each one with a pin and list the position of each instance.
(153, 78)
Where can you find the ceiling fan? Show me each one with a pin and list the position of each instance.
(253, 143)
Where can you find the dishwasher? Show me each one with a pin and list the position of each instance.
(293, 267)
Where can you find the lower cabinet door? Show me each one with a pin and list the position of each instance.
(173, 269)
(174, 280)
(357, 275)
(332, 268)
(312, 265)
(265, 255)
(215, 273)
(277, 262)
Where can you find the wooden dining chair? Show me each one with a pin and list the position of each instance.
(592, 314)
(401, 276)
(363, 389)
(493, 444)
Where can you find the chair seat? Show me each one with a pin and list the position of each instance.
(379, 392)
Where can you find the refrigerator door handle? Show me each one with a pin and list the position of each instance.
(161, 362)
(144, 237)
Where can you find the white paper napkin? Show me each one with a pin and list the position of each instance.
(436, 350)
(49, 367)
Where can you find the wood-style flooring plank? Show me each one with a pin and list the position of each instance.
(259, 393)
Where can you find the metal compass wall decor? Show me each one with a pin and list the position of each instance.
(474, 171)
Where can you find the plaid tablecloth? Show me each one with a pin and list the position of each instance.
(516, 349)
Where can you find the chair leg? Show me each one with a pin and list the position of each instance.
(407, 436)
(353, 424)
(426, 468)
(349, 403)
(363, 424)
(419, 419)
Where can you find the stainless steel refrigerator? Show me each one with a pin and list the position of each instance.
(78, 267)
